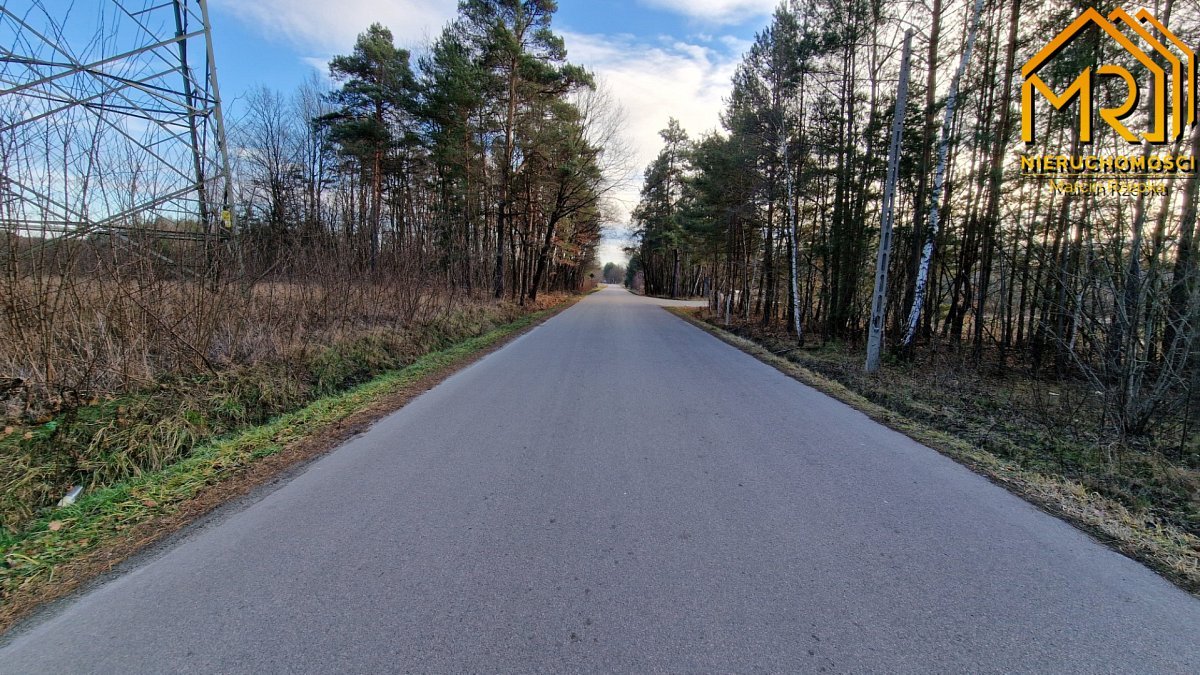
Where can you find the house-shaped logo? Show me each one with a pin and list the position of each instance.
(1172, 81)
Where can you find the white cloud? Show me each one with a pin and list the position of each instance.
(318, 63)
(654, 81)
(331, 27)
(717, 11)
(735, 44)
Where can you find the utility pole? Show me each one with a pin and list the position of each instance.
(888, 214)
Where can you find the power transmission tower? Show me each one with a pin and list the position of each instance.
(111, 121)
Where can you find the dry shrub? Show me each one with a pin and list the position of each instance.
(119, 362)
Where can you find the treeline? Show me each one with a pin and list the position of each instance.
(481, 162)
(777, 218)
(613, 273)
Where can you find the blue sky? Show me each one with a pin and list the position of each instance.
(658, 58)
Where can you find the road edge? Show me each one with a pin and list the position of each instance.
(155, 506)
(1170, 552)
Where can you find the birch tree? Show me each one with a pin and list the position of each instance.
(939, 178)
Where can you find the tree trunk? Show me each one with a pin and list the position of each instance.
(939, 178)
(995, 176)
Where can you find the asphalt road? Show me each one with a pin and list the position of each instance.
(619, 491)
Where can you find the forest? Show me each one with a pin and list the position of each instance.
(776, 219)
(482, 161)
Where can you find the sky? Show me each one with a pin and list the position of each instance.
(657, 58)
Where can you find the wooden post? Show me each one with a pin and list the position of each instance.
(888, 213)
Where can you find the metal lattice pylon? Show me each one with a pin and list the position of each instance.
(110, 120)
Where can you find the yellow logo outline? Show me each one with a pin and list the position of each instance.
(1081, 87)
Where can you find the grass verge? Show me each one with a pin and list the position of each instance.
(61, 549)
(1138, 532)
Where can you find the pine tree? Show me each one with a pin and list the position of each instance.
(377, 90)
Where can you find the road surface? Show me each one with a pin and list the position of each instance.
(619, 491)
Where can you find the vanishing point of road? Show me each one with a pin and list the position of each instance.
(617, 490)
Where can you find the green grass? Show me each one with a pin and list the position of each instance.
(33, 554)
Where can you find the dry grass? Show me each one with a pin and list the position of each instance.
(127, 402)
(115, 361)
(108, 336)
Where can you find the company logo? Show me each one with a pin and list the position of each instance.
(1169, 63)
(1164, 64)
